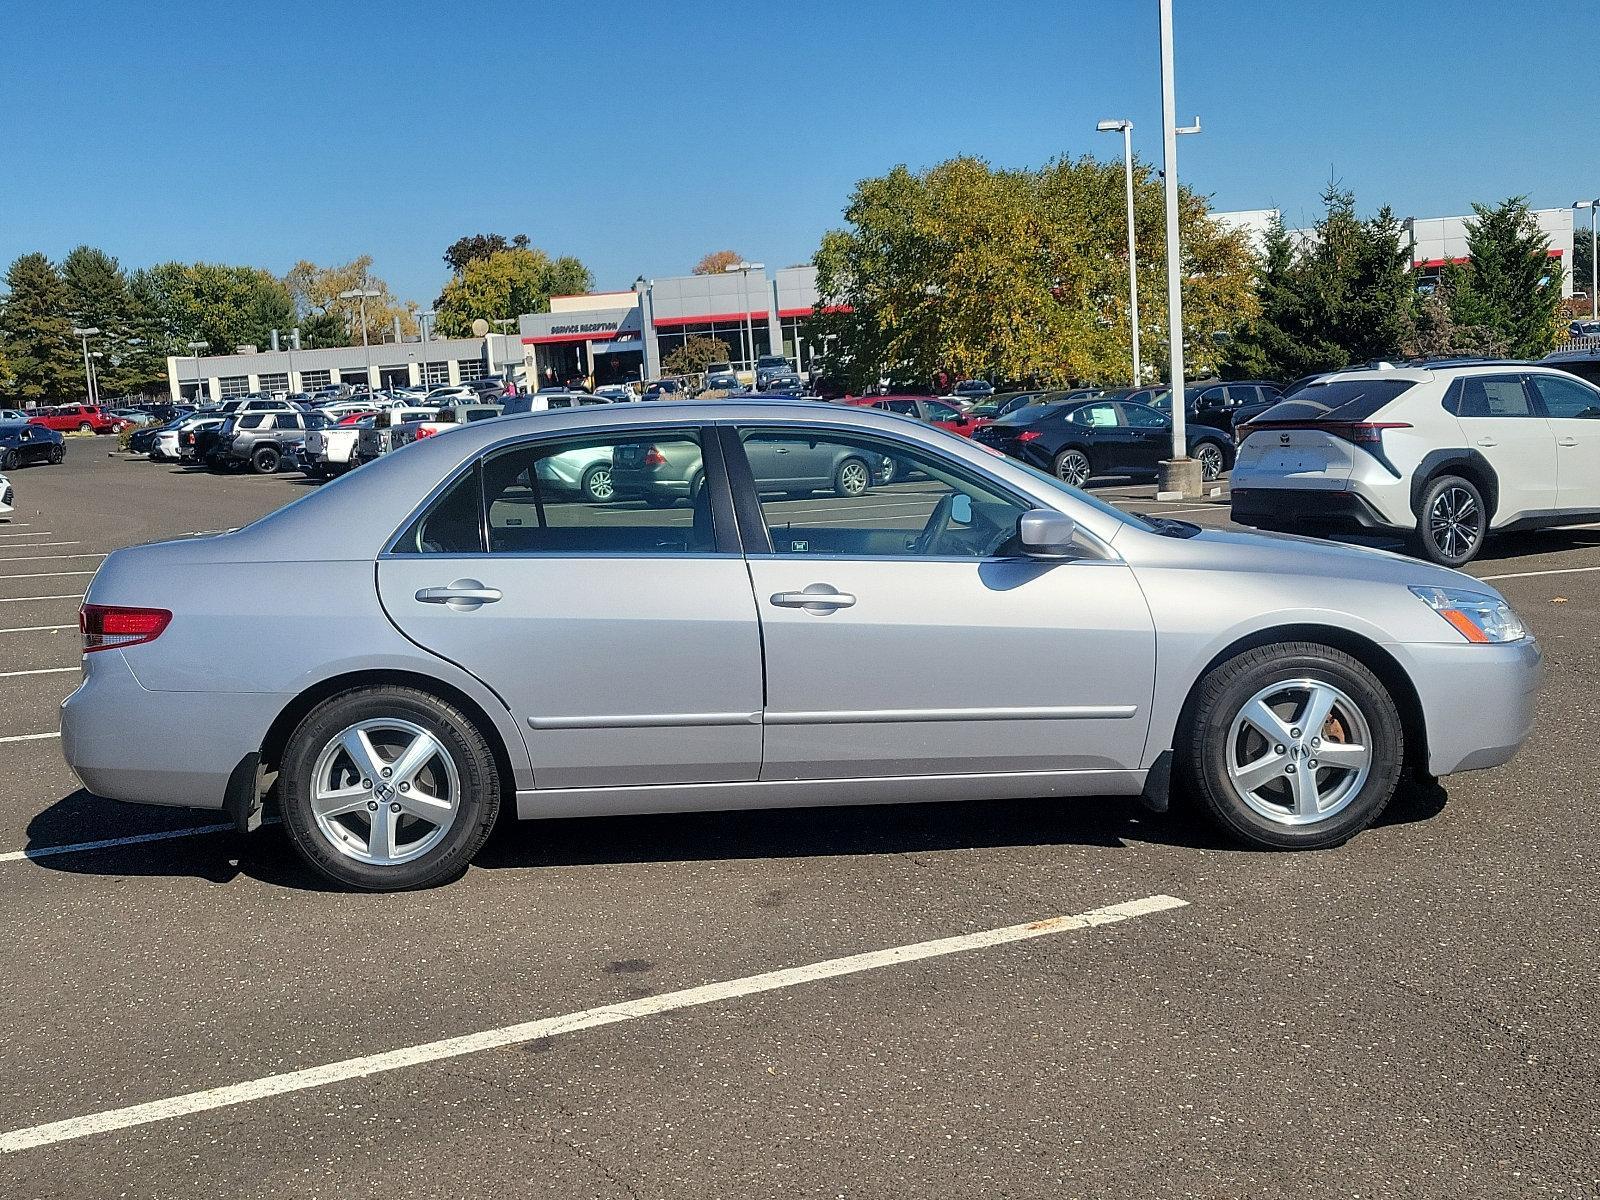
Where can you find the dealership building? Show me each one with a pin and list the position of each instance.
(602, 337)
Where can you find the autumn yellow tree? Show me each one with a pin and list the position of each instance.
(1020, 273)
(717, 262)
(315, 291)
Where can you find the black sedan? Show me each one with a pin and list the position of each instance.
(1079, 439)
(22, 443)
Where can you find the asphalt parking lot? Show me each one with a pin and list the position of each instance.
(1411, 1014)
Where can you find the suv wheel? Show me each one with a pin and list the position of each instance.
(1452, 522)
(85, 427)
(597, 486)
(1212, 461)
(1073, 468)
(1293, 746)
(264, 460)
(387, 788)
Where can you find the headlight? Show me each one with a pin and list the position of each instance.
(1475, 616)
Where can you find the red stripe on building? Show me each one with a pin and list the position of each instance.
(549, 339)
(1442, 262)
(806, 312)
(709, 318)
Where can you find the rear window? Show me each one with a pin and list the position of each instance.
(1338, 400)
(1587, 369)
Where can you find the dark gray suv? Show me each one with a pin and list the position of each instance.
(662, 474)
(261, 439)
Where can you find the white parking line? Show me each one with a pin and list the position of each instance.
(33, 545)
(47, 574)
(37, 671)
(40, 557)
(29, 737)
(137, 839)
(1531, 574)
(41, 533)
(36, 628)
(1171, 512)
(589, 1018)
(62, 596)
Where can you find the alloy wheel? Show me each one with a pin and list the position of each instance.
(1299, 751)
(1210, 463)
(384, 791)
(1073, 468)
(599, 484)
(1453, 520)
(853, 477)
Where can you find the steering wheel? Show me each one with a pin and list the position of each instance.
(937, 526)
(940, 536)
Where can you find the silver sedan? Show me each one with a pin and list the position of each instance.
(472, 637)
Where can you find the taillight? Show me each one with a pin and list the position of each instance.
(107, 626)
(425, 431)
(1028, 435)
(654, 458)
(1363, 433)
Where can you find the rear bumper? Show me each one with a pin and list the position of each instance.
(1477, 701)
(1301, 508)
(169, 748)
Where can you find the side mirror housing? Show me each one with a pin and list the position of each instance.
(1045, 533)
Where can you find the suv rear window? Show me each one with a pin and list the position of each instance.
(1338, 400)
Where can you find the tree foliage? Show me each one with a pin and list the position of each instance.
(224, 306)
(478, 246)
(1435, 332)
(717, 262)
(316, 294)
(1510, 285)
(505, 285)
(43, 358)
(98, 297)
(1017, 273)
(1582, 268)
(694, 356)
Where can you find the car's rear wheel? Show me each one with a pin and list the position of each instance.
(596, 484)
(264, 460)
(1212, 461)
(1073, 467)
(1452, 521)
(1293, 746)
(85, 427)
(852, 478)
(388, 788)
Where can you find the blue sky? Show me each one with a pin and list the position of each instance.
(640, 135)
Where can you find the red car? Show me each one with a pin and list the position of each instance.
(356, 418)
(85, 418)
(924, 408)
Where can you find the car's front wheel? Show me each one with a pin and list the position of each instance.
(388, 788)
(1452, 521)
(1293, 746)
(57, 455)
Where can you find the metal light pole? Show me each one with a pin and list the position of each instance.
(744, 269)
(363, 294)
(1594, 259)
(1126, 129)
(1181, 474)
(194, 349)
(94, 380)
(423, 317)
(88, 375)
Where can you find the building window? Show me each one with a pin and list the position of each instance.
(471, 368)
(274, 383)
(435, 374)
(312, 380)
(234, 385)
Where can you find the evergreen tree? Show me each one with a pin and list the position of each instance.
(1511, 285)
(36, 333)
(98, 298)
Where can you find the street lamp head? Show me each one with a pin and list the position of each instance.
(359, 294)
(89, 332)
(199, 345)
(1114, 126)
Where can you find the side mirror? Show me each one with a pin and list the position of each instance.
(1045, 533)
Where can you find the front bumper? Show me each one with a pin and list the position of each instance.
(1477, 701)
(126, 742)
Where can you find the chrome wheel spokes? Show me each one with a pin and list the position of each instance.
(1453, 521)
(384, 791)
(1299, 751)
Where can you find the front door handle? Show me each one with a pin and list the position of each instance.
(1567, 441)
(818, 599)
(1487, 441)
(463, 595)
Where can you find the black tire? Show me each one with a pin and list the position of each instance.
(1204, 743)
(655, 501)
(596, 484)
(478, 804)
(57, 455)
(852, 477)
(85, 427)
(8, 461)
(889, 471)
(265, 460)
(1072, 467)
(1213, 460)
(1452, 522)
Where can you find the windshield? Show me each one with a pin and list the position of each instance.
(1094, 502)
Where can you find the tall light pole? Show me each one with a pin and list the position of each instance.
(1594, 259)
(1125, 128)
(94, 379)
(423, 317)
(363, 294)
(194, 349)
(88, 374)
(744, 269)
(1181, 474)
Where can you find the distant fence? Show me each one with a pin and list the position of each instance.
(1578, 343)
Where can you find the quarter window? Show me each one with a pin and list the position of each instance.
(1491, 396)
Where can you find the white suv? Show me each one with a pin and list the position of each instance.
(1443, 454)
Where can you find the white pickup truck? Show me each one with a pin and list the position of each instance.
(332, 451)
(405, 432)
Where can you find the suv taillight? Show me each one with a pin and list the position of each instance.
(654, 458)
(1362, 433)
(108, 626)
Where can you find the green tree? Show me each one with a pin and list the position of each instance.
(98, 297)
(505, 285)
(1510, 285)
(321, 330)
(1582, 265)
(1435, 332)
(694, 356)
(478, 246)
(225, 306)
(36, 333)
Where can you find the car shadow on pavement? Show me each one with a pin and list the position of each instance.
(1110, 823)
(1542, 541)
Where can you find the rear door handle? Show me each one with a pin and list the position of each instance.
(1568, 441)
(1487, 441)
(463, 595)
(818, 599)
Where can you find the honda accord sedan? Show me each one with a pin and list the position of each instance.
(471, 638)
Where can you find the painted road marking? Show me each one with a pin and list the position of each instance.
(38, 671)
(29, 737)
(105, 843)
(1531, 574)
(37, 628)
(46, 574)
(42, 557)
(610, 1014)
(60, 596)
(32, 545)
